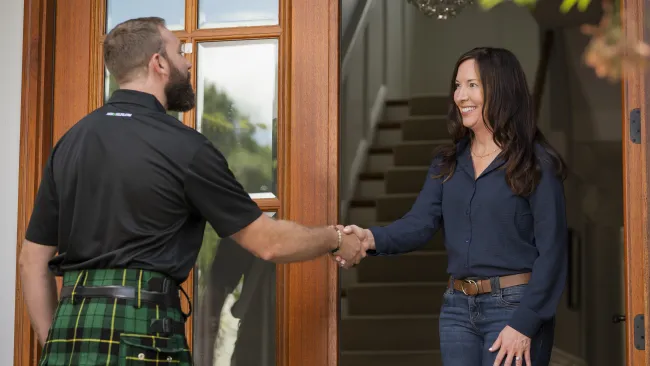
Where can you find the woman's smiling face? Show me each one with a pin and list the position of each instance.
(468, 95)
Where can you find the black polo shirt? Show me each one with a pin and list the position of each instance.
(129, 186)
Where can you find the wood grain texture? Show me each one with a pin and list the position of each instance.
(72, 62)
(35, 144)
(635, 190)
(310, 289)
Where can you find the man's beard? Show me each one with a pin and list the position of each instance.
(179, 93)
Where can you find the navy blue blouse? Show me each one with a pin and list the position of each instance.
(490, 231)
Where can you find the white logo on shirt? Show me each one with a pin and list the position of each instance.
(118, 114)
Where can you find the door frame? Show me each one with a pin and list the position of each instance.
(635, 87)
(308, 293)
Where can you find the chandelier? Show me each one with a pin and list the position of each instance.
(441, 9)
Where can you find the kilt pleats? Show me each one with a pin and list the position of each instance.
(109, 331)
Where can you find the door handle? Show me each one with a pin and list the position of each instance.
(618, 318)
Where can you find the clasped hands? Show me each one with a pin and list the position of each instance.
(356, 241)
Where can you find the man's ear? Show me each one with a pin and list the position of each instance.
(159, 64)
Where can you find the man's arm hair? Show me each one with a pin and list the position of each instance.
(39, 287)
(285, 241)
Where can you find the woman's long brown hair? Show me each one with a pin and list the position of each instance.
(508, 112)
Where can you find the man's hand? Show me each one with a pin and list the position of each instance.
(351, 251)
(365, 237)
(511, 344)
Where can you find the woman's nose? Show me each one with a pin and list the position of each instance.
(461, 94)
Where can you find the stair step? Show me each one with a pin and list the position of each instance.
(395, 298)
(420, 266)
(429, 105)
(397, 333)
(361, 214)
(390, 358)
(388, 133)
(396, 110)
(405, 179)
(372, 176)
(370, 188)
(410, 153)
(425, 128)
(379, 162)
(391, 207)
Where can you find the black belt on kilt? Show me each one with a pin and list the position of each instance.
(167, 299)
(170, 298)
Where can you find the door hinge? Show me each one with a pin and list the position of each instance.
(635, 125)
(639, 332)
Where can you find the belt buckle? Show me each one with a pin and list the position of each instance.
(471, 282)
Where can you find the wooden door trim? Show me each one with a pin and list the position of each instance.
(635, 188)
(310, 290)
(35, 145)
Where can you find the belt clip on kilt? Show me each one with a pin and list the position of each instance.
(118, 317)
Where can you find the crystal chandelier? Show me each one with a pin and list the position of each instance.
(441, 9)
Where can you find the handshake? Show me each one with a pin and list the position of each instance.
(354, 244)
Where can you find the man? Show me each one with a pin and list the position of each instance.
(124, 199)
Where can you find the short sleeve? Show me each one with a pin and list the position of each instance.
(215, 192)
(43, 227)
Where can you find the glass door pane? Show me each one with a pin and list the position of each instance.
(234, 320)
(173, 11)
(237, 108)
(242, 13)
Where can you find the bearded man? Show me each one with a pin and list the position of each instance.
(124, 200)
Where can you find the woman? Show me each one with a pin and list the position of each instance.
(498, 194)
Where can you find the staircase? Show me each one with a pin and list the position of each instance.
(390, 305)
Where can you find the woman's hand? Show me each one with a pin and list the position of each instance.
(511, 344)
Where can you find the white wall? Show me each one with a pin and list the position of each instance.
(437, 44)
(11, 31)
(373, 70)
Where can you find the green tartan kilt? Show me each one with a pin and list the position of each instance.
(109, 331)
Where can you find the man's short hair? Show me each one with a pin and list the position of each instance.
(129, 46)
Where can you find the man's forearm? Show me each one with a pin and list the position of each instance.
(291, 242)
(39, 291)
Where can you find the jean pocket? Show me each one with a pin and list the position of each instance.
(511, 296)
(145, 350)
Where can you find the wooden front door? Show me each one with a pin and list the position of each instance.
(266, 74)
(636, 101)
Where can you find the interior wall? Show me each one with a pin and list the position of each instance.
(11, 31)
(373, 70)
(591, 120)
(437, 44)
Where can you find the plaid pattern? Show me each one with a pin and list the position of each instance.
(107, 331)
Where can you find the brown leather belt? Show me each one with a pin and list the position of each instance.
(477, 287)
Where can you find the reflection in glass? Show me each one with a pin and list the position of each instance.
(110, 85)
(228, 13)
(173, 11)
(237, 108)
(234, 317)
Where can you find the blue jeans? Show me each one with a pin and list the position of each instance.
(469, 325)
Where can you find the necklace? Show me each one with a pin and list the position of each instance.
(482, 156)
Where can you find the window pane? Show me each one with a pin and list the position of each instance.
(173, 11)
(237, 108)
(228, 13)
(234, 317)
(110, 85)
